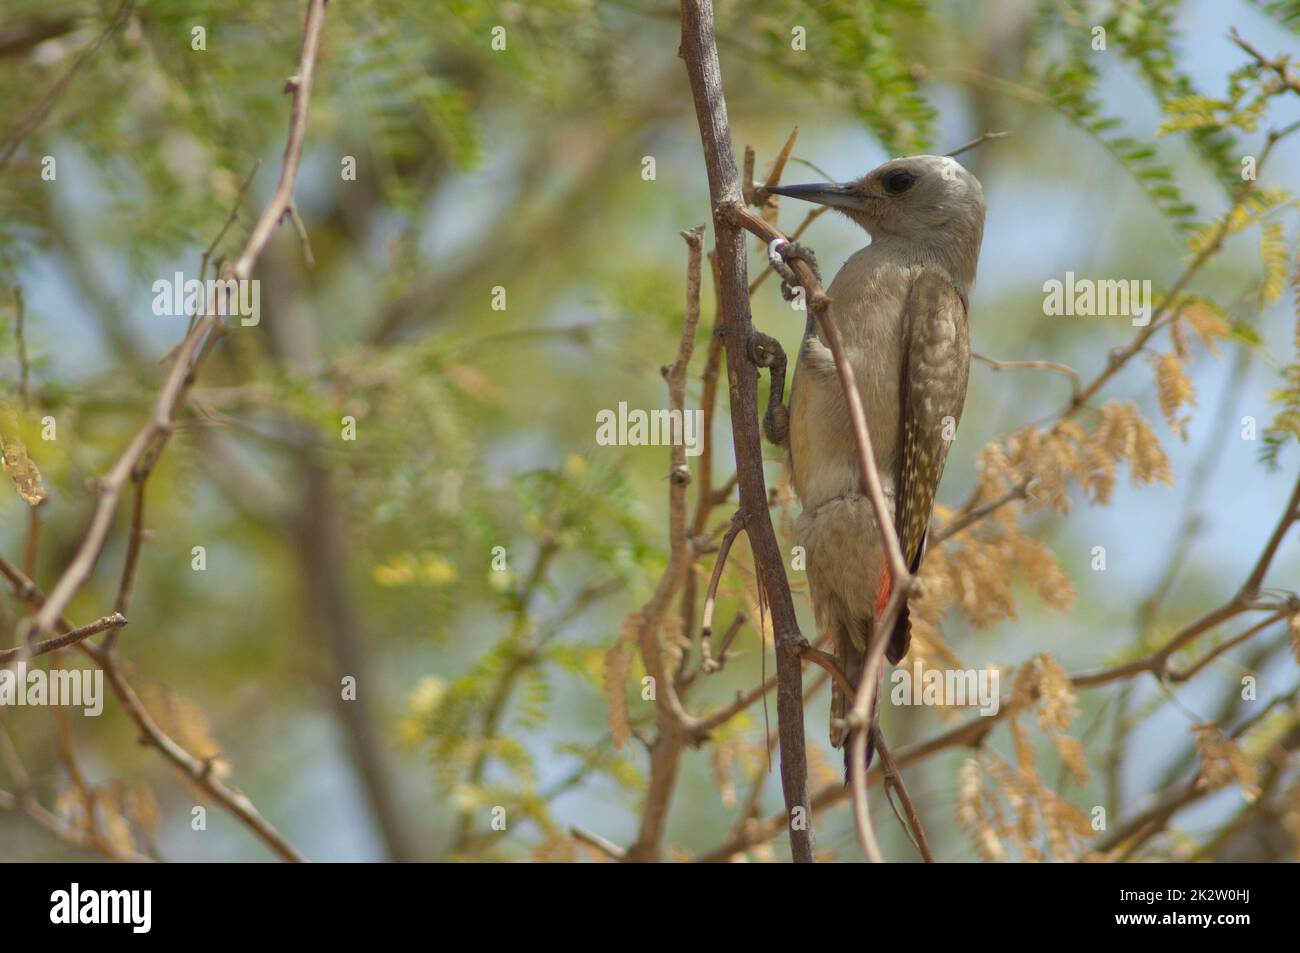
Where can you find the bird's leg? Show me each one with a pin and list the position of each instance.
(766, 351)
(810, 326)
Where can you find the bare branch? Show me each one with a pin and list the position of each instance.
(1068, 372)
(700, 52)
(114, 621)
(987, 137)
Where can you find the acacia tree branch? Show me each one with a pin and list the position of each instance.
(1063, 369)
(699, 49)
(299, 84)
(1250, 588)
(894, 782)
(974, 143)
(1244, 601)
(150, 440)
(972, 514)
(1182, 675)
(1278, 66)
(137, 461)
(675, 726)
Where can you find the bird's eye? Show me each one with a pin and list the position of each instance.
(898, 181)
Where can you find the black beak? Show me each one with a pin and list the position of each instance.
(839, 194)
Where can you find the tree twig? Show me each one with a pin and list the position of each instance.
(107, 623)
(987, 137)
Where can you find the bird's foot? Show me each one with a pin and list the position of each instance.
(781, 255)
(776, 424)
(766, 351)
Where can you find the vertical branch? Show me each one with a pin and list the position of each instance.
(299, 84)
(673, 722)
(699, 49)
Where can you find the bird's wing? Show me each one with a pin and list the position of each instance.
(935, 369)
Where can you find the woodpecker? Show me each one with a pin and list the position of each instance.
(901, 305)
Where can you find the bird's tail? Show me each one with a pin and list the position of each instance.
(871, 735)
(901, 638)
(852, 660)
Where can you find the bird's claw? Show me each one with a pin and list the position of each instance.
(766, 351)
(780, 256)
(776, 424)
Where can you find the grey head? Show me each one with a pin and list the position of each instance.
(930, 203)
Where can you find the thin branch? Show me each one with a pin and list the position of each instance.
(26, 652)
(711, 594)
(1182, 675)
(972, 515)
(1278, 66)
(299, 84)
(1069, 372)
(151, 439)
(126, 586)
(230, 220)
(987, 137)
(676, 727)
(1250, 588)
(894, 782)
(608, 848)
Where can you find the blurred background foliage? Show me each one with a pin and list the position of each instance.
(471, 556)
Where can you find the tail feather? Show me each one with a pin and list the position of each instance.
(900, 640)
(871, 735)
(852, 661)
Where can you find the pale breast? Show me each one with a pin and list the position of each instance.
(868, 297)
